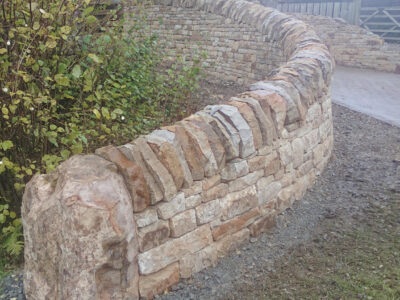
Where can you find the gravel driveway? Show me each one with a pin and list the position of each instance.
(365, 164)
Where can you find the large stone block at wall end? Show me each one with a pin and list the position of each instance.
(80, 235)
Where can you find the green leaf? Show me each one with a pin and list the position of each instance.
(95, 58)
(76, 71)
(65, 153)
(97, 113)
(3, 50)
(91, 19)
(7, 145)
(51, 43)
(53, 127)
(61, 79)
(87, 11)
(105, 113)
(77, 148)
(65, 29)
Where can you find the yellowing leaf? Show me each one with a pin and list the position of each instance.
(95, 58)
(76, 71)
(51, 43)
(65, 29)
(3, 50)
(61, 79)
(97, 113)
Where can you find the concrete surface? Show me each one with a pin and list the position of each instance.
(371, 92)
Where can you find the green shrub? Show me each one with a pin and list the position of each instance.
(71, 82)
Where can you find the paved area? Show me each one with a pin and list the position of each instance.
(371, 92)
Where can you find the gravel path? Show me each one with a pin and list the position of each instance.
(365, 164)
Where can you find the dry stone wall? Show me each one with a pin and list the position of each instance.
(354, 46)
(132, 220)
(234, 51)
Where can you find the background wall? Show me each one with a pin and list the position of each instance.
(354, 46)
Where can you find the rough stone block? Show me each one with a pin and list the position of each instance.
(234, 170)
(211, 182)
(132, 153)
(183, 223)
(173, 250)
(157, 169)
(153, 235)
(133, 175)
(69, 213)
(268, 193)
(147, 217)
(208, 211)
(157, 283)
(234, 225)
(251, 119)
(218, 191)
(245, 181)
(238, 202)
(167, 210)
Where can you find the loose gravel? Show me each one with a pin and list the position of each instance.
(365, 165)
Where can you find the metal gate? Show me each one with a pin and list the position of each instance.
(384, 22)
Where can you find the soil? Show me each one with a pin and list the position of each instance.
(352, 211)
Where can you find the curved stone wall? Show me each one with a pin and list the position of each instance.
(354, 46)
(132, 220)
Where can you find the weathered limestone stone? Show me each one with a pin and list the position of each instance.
(81, 210)
(305, 168)
(172, 139)
(215, 142)
(264, 224)
(311, 139)
(132, 153)
(211, 182)
(298, 148)
(183, 223)
(195, 262)
(195, 189)
(218, 191)
(157, 283)
(234, 170)
(286, 153)
(169, 209)
(230, 242)
(270, 100)
(251, 119)
(171, 251)
(257, 163)
(147, 217)
(157, 169)
(233, 134)
(265, 121)
(168, 156)
(268, 193)
(237, 203)
(232, 115)
(208, 211)
(234, 225)
(193, 201)
(210, 164)
(153, 235)
(192, 152)
(133, 175)
(231, 149)
(245, 181)
(318, 154)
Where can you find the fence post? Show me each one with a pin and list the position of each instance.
(357, 11)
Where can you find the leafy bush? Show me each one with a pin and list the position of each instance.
(71, 82)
